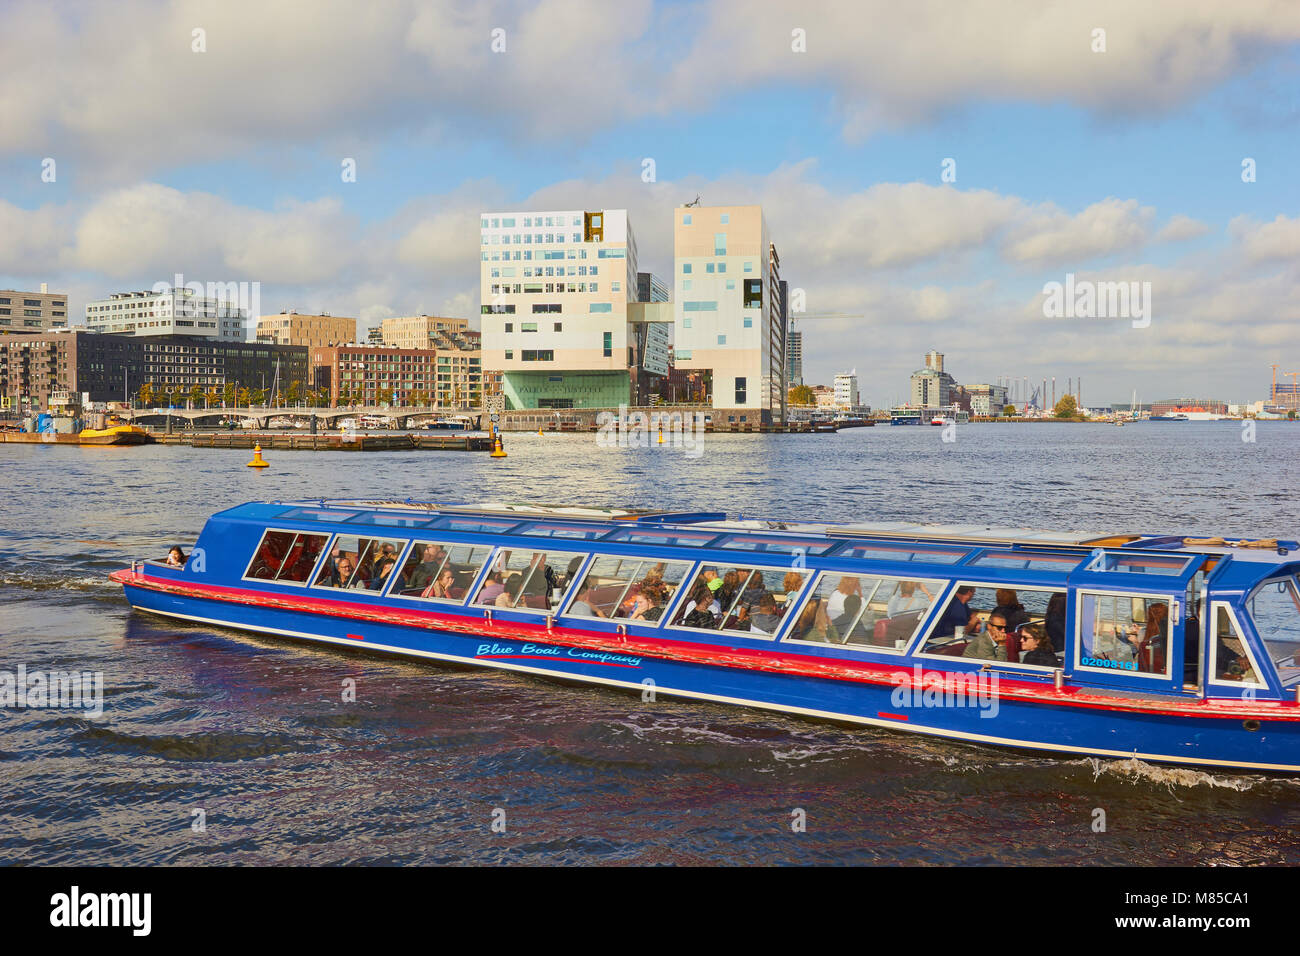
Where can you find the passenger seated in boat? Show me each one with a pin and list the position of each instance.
(383, 568)
(766, 619)
(1009, 606)
(1151, 649)
(710, 578)
(844, 603)
(176, 557)
(1037, 646)
(509, 595)
(650, 600)
(991, 645)
(341, 573)
(703, 614)
(424, 573)
(1055, 620)
(814, 624)
(492, 589)
(583, 605)
(906, 599)
(726, 594)
(957, 614)
(740, 621)
(441, 588)
(754, 591)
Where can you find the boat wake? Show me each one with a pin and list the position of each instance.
(1135, 770)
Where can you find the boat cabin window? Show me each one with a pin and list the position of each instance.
(1029, 561)
(561, 530)
(968, 626)
(740, 598)
(440, 571)
(1145, 563)
(1124, 633)
(634, 589)
(1275, 608)
(527, 580)
(317, 514)
(776, 544)
(873, 551)
(286, 556)
(859, 610)
(359, 562)
(391, 520)
(473, 525)
(666, 537)
(1231, 661)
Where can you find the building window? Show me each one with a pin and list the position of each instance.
(559, 326)
(600, 307)
(749, 323)
(510, 353)
(725, 218)
(719, 243)
(609, 344)
(686, 219)
(686, 268)
(686, 285)
(510, 326)
(740, 391)
(722, 340)
(749, 267)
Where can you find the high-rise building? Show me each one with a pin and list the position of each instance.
(358, 374)
(32, 311)
(931, 385)
(295, 328)
(846, 390)
(650, 288)
(177, 311)
(794, 358)
(555, 288)
(730, 318)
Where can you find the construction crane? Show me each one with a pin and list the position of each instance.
(824, 315)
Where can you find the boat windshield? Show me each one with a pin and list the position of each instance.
(1275, 608)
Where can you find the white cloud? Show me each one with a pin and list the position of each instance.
(1262, 242)
(1181, 227)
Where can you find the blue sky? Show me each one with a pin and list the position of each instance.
(1122, 165)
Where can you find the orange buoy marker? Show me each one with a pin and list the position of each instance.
(661, 433)
(539, 431)
(497, 450)
(257, 461)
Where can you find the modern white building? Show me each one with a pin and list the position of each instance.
(730, 320)
(555, 289)
(178, 311)
(846, 390)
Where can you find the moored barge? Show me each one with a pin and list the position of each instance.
(1165, 648)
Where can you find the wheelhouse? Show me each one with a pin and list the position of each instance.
(1142, 615)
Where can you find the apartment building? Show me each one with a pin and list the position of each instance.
(730, 313)
(177, 311)
(931, 386)
(32, 311)
(555, 288)
(793, 358)
(427, 332)
(306, 329)
(357, 374)
(112, 368)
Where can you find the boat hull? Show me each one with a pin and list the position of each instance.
(726, 675)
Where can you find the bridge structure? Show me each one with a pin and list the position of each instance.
(326, 418)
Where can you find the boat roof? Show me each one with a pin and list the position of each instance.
(716, 529)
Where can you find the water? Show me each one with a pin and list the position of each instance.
(254, 733)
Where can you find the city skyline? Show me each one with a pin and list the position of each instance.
(1127, 166)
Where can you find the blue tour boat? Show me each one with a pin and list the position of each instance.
(1164, 648)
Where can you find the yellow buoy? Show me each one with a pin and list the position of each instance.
(257, 461)
(539, 431)
(661, 434)
(497, 450)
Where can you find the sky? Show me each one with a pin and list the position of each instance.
(926, 169)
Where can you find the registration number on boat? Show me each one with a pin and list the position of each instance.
(1116, 665)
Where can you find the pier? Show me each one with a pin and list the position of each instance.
(329, 442)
